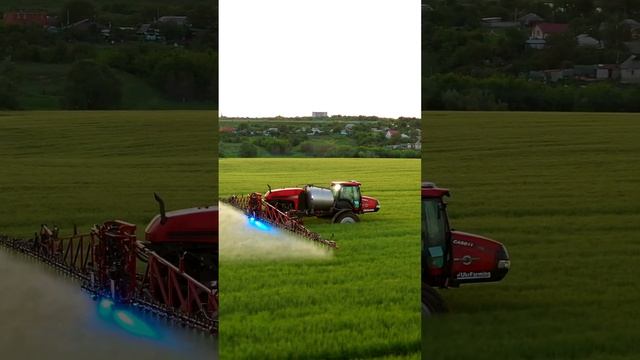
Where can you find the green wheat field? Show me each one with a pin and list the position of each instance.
(562, 192)
(362, 303)
(84, 168)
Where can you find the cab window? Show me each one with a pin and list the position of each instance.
(348, 193)
(434, 231)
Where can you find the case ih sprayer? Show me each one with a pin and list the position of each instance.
(341, 202)
(451, 258)
(172, 273)
(284, 208)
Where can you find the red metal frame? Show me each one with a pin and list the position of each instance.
(73, 255)
(115, 259)
(176, 290)
(254, 205)
(111, 248)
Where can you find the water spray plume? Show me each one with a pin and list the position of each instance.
(46, 316)
(247, 238)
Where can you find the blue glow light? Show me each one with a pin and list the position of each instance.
(105, 307)
(133, 324)
(124, 319)
(260, 225)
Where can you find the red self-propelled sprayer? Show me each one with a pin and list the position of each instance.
(172, 273)
(285, 208)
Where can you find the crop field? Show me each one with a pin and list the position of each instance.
(83, 168)
(363, 302)
(562, 192)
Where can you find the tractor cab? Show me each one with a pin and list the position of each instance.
(450, 257)
(347, 194)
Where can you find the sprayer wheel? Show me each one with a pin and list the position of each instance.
(432, 302)
(346, 217)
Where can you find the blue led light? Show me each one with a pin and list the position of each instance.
(124, 319)
(133, 324)
(105, 307)
(260, 225)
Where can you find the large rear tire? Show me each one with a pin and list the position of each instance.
(432, 302)
(346, 217)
